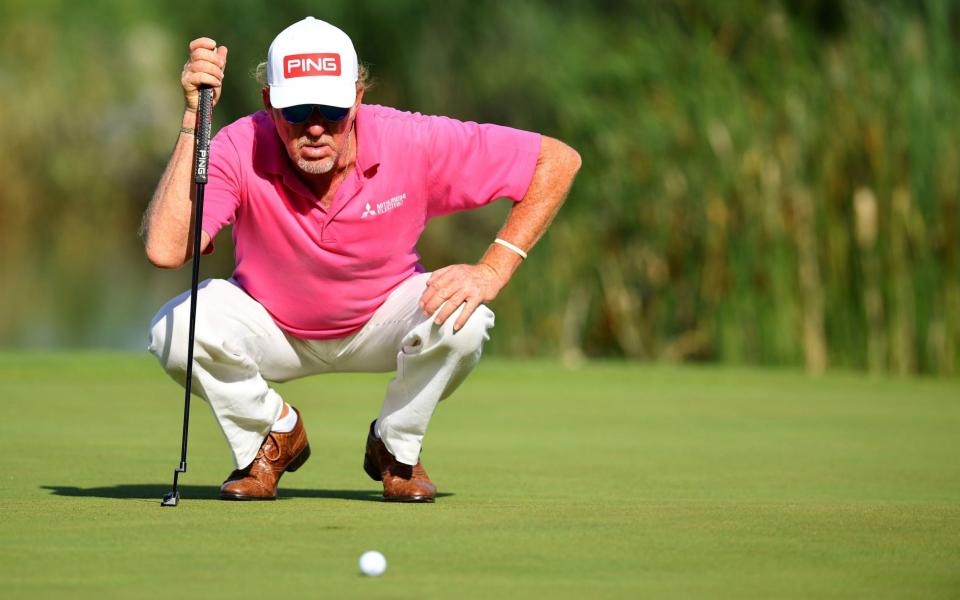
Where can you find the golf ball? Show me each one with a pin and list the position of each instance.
(372, 563)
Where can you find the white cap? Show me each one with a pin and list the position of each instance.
(312, 62)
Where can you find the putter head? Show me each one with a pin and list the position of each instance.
(170, 499)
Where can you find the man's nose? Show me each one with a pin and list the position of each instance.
(315, 125)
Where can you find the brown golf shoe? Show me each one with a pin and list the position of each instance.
(279, 453)
(401, 483)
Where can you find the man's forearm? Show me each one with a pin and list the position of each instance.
(167, 230)
(529, 219)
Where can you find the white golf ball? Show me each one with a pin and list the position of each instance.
(372, 563)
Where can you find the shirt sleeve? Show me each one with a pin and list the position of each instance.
(221, 196)
(471, 165)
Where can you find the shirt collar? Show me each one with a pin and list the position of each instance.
(269, 155)
(368, 148)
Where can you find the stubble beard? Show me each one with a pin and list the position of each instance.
(316, 167)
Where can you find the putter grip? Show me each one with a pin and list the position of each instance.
(201, 156)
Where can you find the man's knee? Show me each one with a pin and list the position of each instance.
(168, 334)
(221, 329)
(470, 338)
(169, 328)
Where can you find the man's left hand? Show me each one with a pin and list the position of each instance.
(452, 286)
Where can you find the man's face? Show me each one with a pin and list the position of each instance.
(315, 145)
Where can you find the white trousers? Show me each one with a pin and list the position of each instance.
(239, 349)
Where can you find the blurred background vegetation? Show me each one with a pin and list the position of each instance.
(764, 182)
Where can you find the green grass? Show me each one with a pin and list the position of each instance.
(608, 481)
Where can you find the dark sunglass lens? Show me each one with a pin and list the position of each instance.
(297, 114)
(333, 113)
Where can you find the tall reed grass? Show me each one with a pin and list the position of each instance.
(763, 182)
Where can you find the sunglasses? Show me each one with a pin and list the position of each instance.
(301, 112)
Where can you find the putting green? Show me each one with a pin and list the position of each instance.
(612, 480)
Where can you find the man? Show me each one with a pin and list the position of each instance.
(327, 197)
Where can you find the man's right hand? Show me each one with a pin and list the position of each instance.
(205, 67)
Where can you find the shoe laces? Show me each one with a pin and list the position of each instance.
(272, 446)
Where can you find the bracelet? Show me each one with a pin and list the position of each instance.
(510, 246)
(189, 130)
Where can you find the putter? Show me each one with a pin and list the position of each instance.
(201, 157)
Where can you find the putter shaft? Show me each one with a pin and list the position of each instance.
(200, 162)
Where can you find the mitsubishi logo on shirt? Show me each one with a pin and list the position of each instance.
(383, 207)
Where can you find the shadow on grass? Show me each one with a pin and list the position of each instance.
(155, 491)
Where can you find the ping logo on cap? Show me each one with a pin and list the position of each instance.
(311, 65)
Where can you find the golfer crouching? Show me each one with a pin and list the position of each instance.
(327, 197)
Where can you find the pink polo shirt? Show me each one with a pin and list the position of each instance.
(321, 274)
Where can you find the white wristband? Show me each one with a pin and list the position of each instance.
(510, 246)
